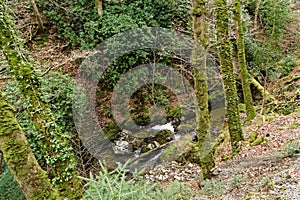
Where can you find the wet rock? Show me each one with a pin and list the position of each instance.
(176, 150)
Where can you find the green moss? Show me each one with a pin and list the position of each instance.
(198, 11)
(224, 50)
(257, 141)
(295, 125)
(19, 157)
(253, 136)
(269, 119)
(242, 108)
(250, 110)
(177, 150)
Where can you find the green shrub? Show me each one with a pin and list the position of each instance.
(286, 65)
(57, 91)
(212, 187)
(9, 188)
(78, 22)
(291, 148)
(264, 53)
(113, 185)
(237, 180)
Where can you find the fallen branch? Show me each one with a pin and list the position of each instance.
(263, 91)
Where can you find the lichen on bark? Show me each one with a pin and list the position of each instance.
(225, 55)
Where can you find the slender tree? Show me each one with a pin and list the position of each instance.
(54, 147)
(99, 7)
(250, 111)
(225, 55)
(1, 159)
(200, 84)
(37, 15)
(33, 181)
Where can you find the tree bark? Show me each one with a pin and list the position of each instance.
(19, 157)
(250, 111)
(37, 15)
(53, 144)
(99, 7)
(207, 161)
(225, 55)
(256, 15)
(1, 162)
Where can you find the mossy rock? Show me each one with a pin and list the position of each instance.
(161, 137)
(186, 128)
(176, 150)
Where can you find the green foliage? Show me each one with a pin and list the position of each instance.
(253, 136)
(212, 187)
(261, 58)
(9, 188)
(291, 148)
(265, 51)
(265, 184)
(286, 65)
(275, 15)
(258, 141)
(57, 91)
(237, 180)
(114, 185)
(79, 23)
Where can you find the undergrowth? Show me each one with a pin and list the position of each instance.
(114, 185)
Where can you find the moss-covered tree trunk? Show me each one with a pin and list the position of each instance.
(250, 111)
(33, 181)
(200, 83)
(53, 144)
(1, 161)
(225, 55)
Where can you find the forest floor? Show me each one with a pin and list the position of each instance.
(265, 171)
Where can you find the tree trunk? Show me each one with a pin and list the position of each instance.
(37, 15)
(19, 157)
(99, 7)
(1, 161)
(53, 144)
(200, 85)
(250, 111)
(225, 55)
(256, 15)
